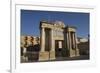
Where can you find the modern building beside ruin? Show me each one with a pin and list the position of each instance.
(54, 36)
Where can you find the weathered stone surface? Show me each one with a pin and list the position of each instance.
(43, 56)
(52, 55)
(54, 36)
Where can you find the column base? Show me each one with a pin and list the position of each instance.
(43, 56)
(77, 52)
(74, 53)
(52, 55)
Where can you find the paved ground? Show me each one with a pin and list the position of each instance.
(82, 57)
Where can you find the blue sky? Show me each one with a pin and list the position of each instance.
(30, 20)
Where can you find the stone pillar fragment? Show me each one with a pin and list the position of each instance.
(67, 41)
(71, 42)
(74, 45)
(77, 50)
(69, 37)
(52, 50)
(71, 52)
(42, 40)
(43, 55)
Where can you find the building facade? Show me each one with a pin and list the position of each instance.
(55, 38)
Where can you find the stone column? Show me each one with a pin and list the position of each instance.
(52, 41)
(43, 55)
(42, 40)
(77, 50)
(52, 50)
(71, 51)
(70, 43)
(74, 41)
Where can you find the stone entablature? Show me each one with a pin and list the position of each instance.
(52, 25)
(70, 29)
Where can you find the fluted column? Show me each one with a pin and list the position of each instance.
(70, 43)
(74, 41)
(77, 50)
(71, 50)
(42, 40)
(52, 42)
(52, 49)
(43, 55)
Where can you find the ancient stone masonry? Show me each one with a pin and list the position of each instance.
(55, 40)
(57, 36)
